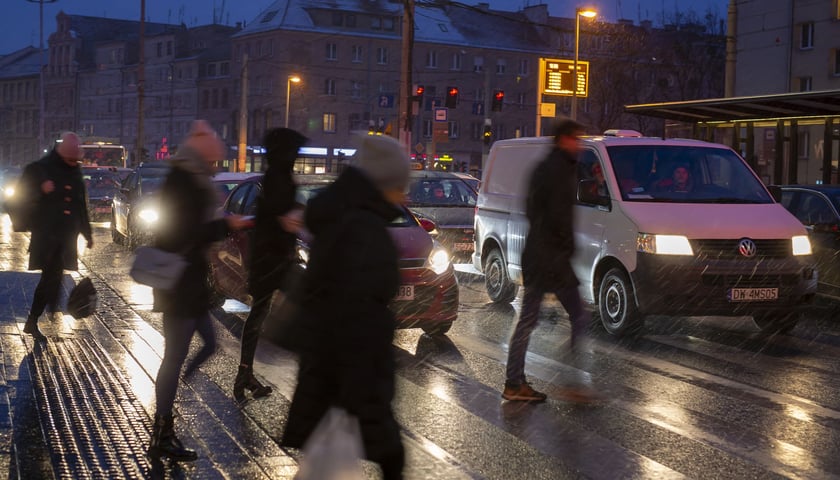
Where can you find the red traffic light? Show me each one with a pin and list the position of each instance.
(419, 91)
(500, 95)
(453, 91)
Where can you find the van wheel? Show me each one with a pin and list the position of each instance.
(616, 304)
(773, 323)
(496, 280)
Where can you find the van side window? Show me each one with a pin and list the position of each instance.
(590, 168)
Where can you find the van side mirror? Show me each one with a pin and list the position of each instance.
(775, 192)
(588, 193)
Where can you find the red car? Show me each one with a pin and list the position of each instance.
(427, 298)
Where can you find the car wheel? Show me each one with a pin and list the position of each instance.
(116, 236)
(773, 323)
(617, 306)
(496, 280)
(437, 329)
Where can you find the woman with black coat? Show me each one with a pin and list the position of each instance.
(187, 226)
(272, 249)
(346, 357)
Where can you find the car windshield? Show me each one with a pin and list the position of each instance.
(305, 193)
(684, 174)
(101, 183)
(150, 184)
(441, 192)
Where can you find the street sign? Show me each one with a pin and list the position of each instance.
(386, 101)
(547, 109)
(441, 114)
(478, 108)
(557, 77)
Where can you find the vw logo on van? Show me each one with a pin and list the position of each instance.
(747, 247)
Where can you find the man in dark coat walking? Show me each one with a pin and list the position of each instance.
(273, 248)
(346, 356)
(546, 258)
(57, 191)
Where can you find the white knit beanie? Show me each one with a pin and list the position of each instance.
(384, 160)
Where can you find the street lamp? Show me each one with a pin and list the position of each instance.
(292, 79)
(579, 12)
(41, 71)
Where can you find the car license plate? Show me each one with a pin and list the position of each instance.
(753, 294)
(102, 209)
(463, 247)
(406, 292)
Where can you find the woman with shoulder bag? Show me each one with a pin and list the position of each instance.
(187, 226)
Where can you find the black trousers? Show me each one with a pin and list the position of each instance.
(49, 286)
(253, 326)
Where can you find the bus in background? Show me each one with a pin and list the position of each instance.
(102, 153)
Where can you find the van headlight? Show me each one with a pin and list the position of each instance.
(438, 260)
(148, 215)
(663, 244)
(801, 245)
(9, 192)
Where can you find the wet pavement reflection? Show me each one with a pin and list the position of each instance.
(708, 397)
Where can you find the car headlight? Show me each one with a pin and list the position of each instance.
(663, 244)
(438, 260)
(801, 245)
(148, 215)
(303, 255)
(9, 192)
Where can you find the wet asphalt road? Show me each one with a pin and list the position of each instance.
(691, 398)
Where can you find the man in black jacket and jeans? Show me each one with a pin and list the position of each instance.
(55, 187)
(546, 258)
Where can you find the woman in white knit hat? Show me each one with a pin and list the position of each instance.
(346, 328)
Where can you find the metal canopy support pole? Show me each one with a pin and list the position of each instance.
(828, 150)
(793, 146)
(779, 153)
(751, 160)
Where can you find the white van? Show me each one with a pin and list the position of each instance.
(721, 245)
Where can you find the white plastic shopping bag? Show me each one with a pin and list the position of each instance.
(334, 450)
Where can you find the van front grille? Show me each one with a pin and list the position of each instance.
(728, 249)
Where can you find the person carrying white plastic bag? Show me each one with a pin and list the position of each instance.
(333, 450)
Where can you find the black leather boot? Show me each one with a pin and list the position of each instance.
(31, 327)
(166, 444)
(245, 379)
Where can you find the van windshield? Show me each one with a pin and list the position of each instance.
(684, 174)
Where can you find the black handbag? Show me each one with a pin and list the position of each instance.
(83, 299)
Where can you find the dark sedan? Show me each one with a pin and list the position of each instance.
(427, 298)
(818, 208)
(102, 185)
(134, 207)
(449, 201)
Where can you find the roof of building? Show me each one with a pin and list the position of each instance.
(454, 24)
(21, 63)
(785, 105)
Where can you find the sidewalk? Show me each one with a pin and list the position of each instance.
(80, 405)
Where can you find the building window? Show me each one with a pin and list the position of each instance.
(338, 19)
(332, 51)
(501, 67)
(804, 84)
(356, 90)
(388, 24)
(329, 123)
(350, 20)
(431, 59)
(329, 87)
(225, 69)
(523, 67)
(159, 49)
(211, 69)
(456, 62)
(224, 98)
(520, 100)
(804, 144)
(478, 64)
(806, 38)
(357, 54)
(427, 129)
(454, 131)
(376, 23)
(382, 56)
(169, 47)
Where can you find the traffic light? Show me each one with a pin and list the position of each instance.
(451, 97)
(418, 93)
(488, 134)
(498, 100)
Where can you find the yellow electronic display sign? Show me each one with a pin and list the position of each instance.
(557, 77)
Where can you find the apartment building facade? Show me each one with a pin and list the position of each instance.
(19, 106)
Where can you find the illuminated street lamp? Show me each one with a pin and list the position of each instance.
(41, 70)
(292, 79)
(579, 12)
